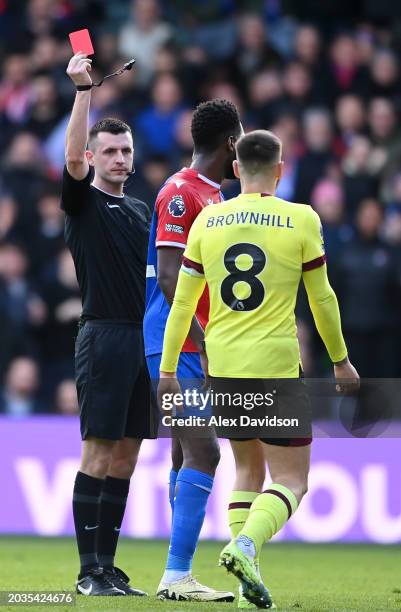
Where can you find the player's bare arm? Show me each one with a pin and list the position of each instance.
(169, 262)
(77, 131)
(188, 291)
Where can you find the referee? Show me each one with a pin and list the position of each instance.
(107, 233)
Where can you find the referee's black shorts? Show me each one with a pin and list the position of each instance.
(114, 391)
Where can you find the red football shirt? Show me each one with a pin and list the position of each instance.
(178, 204)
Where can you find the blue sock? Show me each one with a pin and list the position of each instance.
(171, 488)
(193, 489)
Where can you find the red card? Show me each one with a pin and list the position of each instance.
(81, 41)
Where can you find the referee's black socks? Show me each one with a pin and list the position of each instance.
(86, 507)
(112, 507)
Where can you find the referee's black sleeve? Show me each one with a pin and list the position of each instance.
(74, 194)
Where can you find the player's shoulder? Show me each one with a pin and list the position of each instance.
(310, 213)
(177, 195)
(178, 184)
(302, 210)
(295, 205)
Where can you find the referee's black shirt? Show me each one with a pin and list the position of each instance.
(108, 238)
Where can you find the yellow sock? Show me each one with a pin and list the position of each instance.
(268, 514)
(238, 511)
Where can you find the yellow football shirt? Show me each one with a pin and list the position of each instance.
(252, 250)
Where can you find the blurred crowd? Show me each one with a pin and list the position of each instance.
(324, 76)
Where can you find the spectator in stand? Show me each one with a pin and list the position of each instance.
(15, 95)
(155, 126)
(128, 94)
(384, 72)
(57, 333)
(18, 298)
(66, 400)
(107, 50)
(15, 88)
(194, 71)
(206, 24)
(265, 92)
(383, 123)
(328, 201)
(143, 36)
(308, 49)
(46, 239)
(344, 74)
(365, 41)
(183, 140)
(24, 173)
(350, 118)
(18, 396)
(166, 60)
(385, 136)
(359, 174)
(41, 16)
(45, 54)
(254, 51)
(308, 46)
(288, 130)
(46, 110)
(367, 282)
(297, 88)
(318, 155)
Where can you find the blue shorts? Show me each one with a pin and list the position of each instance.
(189, 374)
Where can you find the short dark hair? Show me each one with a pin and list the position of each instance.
(212, 122)
(110, 125)
(258, 149)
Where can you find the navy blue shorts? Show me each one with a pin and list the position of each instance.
(190, 376)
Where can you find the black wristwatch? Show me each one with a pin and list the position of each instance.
(83, 87)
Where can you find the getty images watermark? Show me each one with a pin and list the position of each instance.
(205, 401)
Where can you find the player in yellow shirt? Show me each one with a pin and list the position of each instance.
(253, 251)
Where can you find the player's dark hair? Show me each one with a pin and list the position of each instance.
(110, 125)
(212, 122)
(257, 150)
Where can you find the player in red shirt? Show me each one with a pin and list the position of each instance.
(215, 128)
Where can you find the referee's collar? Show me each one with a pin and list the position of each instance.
(112, 195)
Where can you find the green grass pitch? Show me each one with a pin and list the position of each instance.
(301, 577)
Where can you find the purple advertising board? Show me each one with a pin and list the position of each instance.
(354, 486)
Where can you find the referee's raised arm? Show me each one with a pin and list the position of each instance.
(78, 126)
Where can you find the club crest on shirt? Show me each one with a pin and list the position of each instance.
(176, 206)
